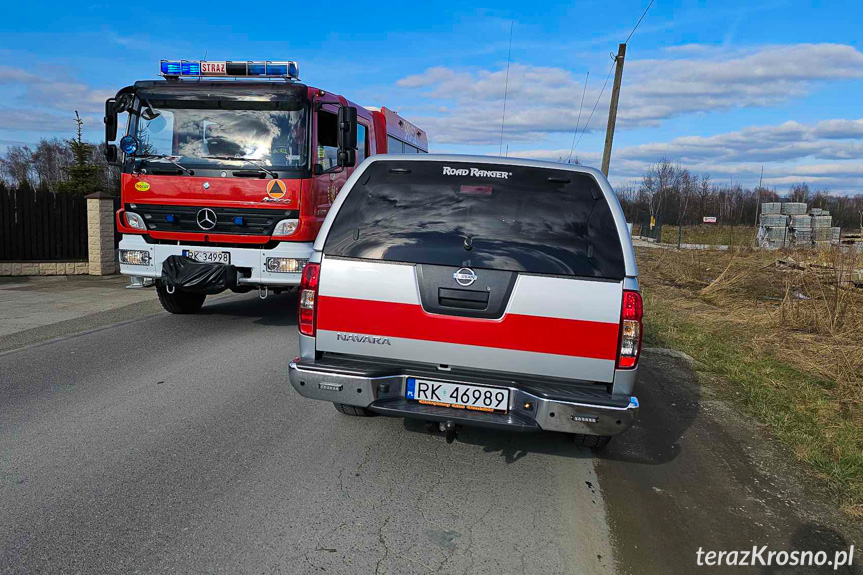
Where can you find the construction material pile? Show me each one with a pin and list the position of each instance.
(790, 224)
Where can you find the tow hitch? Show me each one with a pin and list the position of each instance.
(448, 427)
(138, 282)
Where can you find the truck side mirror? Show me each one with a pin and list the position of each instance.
(110, 120)
(111, 153)
(347, 136)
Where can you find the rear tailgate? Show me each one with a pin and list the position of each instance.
(551, 326)
(500, 267)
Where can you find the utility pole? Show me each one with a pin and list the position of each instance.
(758, 201)
(612, 109)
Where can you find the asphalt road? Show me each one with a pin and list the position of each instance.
(175, 444)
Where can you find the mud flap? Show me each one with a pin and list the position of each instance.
(199, 277)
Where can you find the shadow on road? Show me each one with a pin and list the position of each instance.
(510, 446)
(814, 538)
(670, 399)
(276, 310)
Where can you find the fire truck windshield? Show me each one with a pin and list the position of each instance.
(200, 136)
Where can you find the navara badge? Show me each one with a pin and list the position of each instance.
(464, 277)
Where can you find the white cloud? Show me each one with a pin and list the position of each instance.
(659, 89)
(790, 141)
(825, 154)
(36, 120)
(45, 102)
(543, 100)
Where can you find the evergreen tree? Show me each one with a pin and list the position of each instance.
(84, 176)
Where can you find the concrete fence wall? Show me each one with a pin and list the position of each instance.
(100, 235)
(44, 268)
(101, 255)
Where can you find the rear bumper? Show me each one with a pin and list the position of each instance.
(251, 260)
(575, 411)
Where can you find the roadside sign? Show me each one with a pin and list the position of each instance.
(709, 219)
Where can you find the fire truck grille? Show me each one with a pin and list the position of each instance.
(240, 221)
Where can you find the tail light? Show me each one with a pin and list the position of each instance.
(630, 330)
(308, 298)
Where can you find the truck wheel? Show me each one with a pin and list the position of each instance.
(353, 410)
(595, 442)
(180, 301)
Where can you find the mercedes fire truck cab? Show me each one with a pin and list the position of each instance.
(228, 170)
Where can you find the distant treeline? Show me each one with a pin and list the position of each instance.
(60, 166)
(666, 189)
(678, 195)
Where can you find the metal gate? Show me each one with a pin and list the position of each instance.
(651, 227)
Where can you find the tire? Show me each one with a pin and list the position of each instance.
(181, 302)
(353, 410)
(594, 442)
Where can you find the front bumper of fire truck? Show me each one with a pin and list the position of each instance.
(251, 263)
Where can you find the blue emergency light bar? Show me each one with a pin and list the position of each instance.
(261, 69)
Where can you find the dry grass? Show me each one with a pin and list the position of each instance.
(786, 330)
(711, 234)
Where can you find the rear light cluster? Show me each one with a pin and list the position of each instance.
(630, 330)
(308, 298)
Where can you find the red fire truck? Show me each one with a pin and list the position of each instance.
(229, 169)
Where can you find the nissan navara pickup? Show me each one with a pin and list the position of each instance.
(474, 291)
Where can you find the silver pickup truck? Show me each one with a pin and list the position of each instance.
(474, 291)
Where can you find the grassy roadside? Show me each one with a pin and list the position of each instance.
(711, 234)
(785, 339)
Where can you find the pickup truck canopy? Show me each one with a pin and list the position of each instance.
(503, 217)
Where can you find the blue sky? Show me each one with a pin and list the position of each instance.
(722, 87)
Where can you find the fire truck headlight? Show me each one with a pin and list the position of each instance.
(133, 220)
(286, 227)
(285, 265)
(135, 257)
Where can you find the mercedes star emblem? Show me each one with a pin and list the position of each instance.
(206, 219)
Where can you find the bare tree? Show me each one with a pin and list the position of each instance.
(661, 181)
(109, 176)
(672, 191)
(799, 193)
(704, 191)
(17, 166)
(50, 162)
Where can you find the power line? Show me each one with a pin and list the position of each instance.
(639, 22)
(615, 94)
(578, 121)
(505, 89)
(613, 64)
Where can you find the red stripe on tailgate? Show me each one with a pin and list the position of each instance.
(571, 337)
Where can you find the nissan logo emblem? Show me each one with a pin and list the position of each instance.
(206, 219)
(464, 277)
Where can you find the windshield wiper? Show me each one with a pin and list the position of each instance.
(170, 159)
(247, 160)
